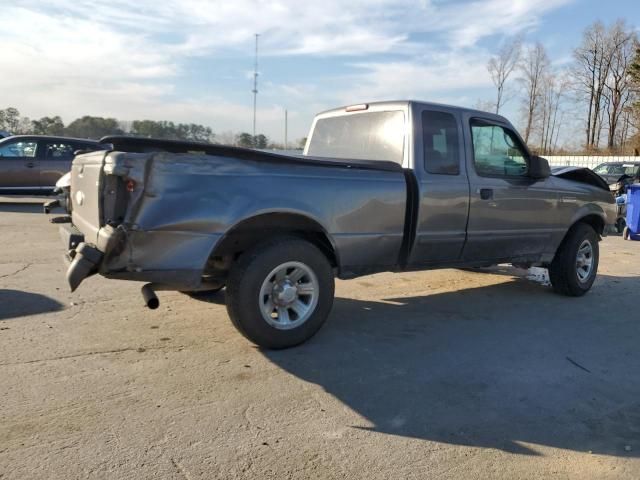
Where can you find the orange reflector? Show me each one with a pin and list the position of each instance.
(355, 108)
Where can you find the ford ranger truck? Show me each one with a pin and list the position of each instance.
(389, 186)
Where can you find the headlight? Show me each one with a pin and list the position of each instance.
(615, 186)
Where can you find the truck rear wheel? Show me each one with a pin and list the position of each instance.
(574, 267)
(280, 292)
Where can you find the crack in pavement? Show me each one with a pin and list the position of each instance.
(21, 269)
(86, 354)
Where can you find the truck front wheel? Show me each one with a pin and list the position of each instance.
(574, 267)
(280, 292)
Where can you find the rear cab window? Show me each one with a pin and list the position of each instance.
(369, 135)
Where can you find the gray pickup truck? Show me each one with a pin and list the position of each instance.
(384, 186)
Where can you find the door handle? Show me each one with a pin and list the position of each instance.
(31, 165)
(486, 193)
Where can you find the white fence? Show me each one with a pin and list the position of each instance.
(589, 161)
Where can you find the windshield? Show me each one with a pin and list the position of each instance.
(366, 136)
(617, 169)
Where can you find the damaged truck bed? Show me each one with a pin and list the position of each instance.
(381, 187)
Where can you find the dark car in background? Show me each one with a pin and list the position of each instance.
(34, 163)
(619, 174)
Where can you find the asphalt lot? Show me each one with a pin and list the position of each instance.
(442, 374)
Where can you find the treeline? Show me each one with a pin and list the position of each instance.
(600, 88)
(98, 127)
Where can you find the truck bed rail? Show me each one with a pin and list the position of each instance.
(145, 145)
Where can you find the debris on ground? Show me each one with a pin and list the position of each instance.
(539, 275)
(578, 365)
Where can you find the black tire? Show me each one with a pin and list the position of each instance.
(620, 225)
(563, 269)
(625, 233)
(253, 268)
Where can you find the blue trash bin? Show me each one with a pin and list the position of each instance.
(633, 211)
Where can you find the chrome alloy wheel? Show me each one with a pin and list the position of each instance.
(584, 261)
(289, 295)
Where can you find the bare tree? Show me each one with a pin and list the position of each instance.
(500, 67)
(552, 94)
(625, 128)
(533, 68)
(484, 105)
(554, 148)
(590, 73)
(632, 135)
(601, 52)
(617, 91)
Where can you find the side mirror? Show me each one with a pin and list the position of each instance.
(539, 168)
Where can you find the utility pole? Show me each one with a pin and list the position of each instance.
(255, 88)
(286, 125)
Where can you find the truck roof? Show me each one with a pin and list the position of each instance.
(407, 103)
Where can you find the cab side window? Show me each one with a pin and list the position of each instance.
(59, 151)
(441, 143)
(19, 148)
(497, 151)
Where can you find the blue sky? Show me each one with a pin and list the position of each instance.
(191, 60)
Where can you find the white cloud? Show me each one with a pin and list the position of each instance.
(64, 62)
(425, 78)
(329, 27)
(470, 22)
(128, 59)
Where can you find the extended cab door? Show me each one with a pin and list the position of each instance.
(511, 215)
(442, 184)
(19, 164)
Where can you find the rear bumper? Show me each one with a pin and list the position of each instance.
(85, 263)
(84, 258)
(71, 237)
(170, 260)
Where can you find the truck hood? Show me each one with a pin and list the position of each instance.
(580, 174)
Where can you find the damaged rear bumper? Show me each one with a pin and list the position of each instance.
(169, 260)
(85, 262)
(84, 258)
